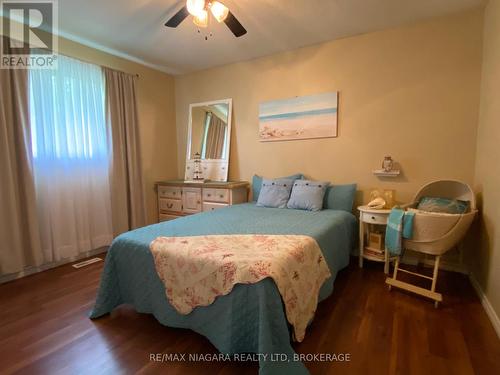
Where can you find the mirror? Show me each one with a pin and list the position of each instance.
(209, 134)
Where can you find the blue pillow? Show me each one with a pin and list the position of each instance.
(443, 205)
(340, 197)
(307, 195)
(257, 183)
(275, 193)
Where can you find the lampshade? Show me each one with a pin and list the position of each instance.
(195, 6)
(201, 18)
(219, 11)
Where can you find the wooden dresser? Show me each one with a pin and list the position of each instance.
(179, 198)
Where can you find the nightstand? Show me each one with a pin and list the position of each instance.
(372, 216)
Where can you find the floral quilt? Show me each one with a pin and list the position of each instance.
(197, 269)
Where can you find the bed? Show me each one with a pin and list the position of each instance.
(250, 319)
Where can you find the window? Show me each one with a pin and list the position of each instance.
(70, 158)
(67, 112)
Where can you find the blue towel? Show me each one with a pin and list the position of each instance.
(399, 226)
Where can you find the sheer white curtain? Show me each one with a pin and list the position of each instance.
(71, 158)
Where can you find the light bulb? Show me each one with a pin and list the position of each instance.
(201, 19)
(195, 6)
(219, 11)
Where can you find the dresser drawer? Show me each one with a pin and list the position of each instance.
(191, 200)
(374, 218)
(213, 206)
(169, 192)
(172, 205)
(165, 217)
(216, 195)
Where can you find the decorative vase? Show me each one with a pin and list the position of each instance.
(387, 164)
(390, 198)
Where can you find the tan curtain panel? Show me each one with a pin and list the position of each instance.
(127, 192)
(215, 138)
(20, 241)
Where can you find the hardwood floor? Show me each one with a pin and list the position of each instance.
(44, 329)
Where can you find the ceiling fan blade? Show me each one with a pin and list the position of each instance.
(234, 25)
(178, 17)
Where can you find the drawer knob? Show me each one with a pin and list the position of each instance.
(209, 195)
(221, 196)
(170, 205)
(373, 217)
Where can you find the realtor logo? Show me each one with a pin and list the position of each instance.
(28, 29)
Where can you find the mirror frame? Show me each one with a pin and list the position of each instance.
(218, 167)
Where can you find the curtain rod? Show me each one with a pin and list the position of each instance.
(103, 66)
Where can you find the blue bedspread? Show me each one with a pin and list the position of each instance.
(250, 319)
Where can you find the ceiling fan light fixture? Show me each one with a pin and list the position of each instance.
(195, 7)
(199, 9)
(201, 19)
(219, 10)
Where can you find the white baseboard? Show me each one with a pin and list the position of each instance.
(495, 320)
(31, 270)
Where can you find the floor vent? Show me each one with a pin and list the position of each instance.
(86, 262)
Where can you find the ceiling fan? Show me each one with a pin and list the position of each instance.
(199, 10)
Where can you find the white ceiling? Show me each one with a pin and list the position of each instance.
(134, 28)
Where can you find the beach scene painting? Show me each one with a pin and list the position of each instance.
(303, 117)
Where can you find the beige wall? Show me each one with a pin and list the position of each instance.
(410, 92)
(486, 258)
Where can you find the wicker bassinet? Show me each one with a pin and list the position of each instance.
(435, 233)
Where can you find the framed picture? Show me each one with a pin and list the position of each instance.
(303, 117)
